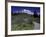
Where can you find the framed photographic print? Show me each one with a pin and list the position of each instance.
(25, 18)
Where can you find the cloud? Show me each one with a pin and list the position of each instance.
(27, 11)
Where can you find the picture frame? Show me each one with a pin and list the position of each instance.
(25, 4)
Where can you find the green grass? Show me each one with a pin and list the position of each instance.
(18, 22)
(22, 27)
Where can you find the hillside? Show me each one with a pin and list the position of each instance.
(22, 21)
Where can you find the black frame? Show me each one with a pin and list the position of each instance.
(6, 30)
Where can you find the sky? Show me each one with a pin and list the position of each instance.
(21, 8)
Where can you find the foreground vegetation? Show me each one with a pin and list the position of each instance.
(22, 22)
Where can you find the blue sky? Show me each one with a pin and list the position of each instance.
(19, 8)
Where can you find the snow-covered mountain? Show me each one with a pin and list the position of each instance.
(27, 11)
